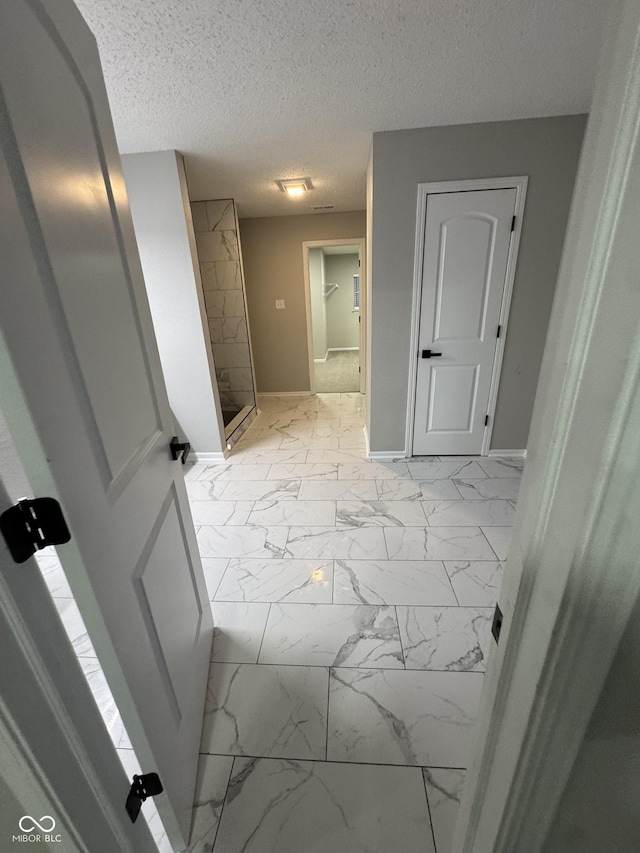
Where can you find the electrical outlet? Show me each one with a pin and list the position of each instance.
(279, 303)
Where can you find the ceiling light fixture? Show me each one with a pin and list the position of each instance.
(295, 187)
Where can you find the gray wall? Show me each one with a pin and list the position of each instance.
(599, 808)
(272, 260)
(343, 328)
(157, 190)
(318, 305)
(547, 150)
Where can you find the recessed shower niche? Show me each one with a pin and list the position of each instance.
(219, 256)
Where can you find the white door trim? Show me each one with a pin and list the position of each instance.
(318, 244)
(571, 584)
(55, 751)
(424, 190)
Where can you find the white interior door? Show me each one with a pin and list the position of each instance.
(84, 395)
(466, 248)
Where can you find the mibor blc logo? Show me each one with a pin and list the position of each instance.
(36, 830)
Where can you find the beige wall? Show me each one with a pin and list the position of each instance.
(547, 150)
(272, 258)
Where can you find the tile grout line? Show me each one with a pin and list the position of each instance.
(264, 631)
(224, 801)
(426, 796)
(332, 761)
(404, 659)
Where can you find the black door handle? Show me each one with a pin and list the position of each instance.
(179, 449)
(427, 353)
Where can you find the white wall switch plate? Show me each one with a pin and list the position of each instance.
(279, 303)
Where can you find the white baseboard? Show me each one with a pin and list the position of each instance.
(284, 394)
(366, 440)
(516, 454)
(208, 457)
(320, 360)
(384, 455)
(342, 349)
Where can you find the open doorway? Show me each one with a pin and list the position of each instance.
(334, 291)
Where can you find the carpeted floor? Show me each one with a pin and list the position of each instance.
(339, 373)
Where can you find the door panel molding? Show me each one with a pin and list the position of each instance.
(519, 183)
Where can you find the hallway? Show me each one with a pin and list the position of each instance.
(352, 603)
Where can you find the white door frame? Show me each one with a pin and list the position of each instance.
(318, 244)
(424, 191)
(571, 583)
(55, 752)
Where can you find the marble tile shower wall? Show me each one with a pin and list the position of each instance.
(215, 228)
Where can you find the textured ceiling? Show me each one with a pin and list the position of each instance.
(255, 90)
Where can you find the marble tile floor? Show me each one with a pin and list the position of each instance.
(352, 601)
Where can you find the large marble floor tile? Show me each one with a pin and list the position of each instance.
(345, 543)
(277, 711)
(500, 539)
(444, 470)
(211, 786)
(205, 490)
(105, 702)
(392, 582)
(444, 790)
(372, 471)
(468, 513)
(332, 635)
(260, 490)
(417, 490)
(314, 471)
(53, 575)
(247, 541)
(333, 490)
(300, 512)
(74, 626)
(380, 514)
(276, 806)
(352, 443)
(472, 489)
(220, 512)
(449, 639)
(402, 717)
(343, 457)
(269, 457)
(277, 580)
(477, 583)
(502, 467)
(214, 568)
(193, 470)
(238, 631)
(329, 442)
(437, 543)
(224, 472)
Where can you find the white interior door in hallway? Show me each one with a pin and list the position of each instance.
(467, 238)
(84, 395)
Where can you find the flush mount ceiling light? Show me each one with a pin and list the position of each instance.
(295, 187)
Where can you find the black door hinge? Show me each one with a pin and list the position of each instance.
(513, 224)
(498, 332)
(486, 420)
(142, 787)
(496, 627)
(31, 525)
